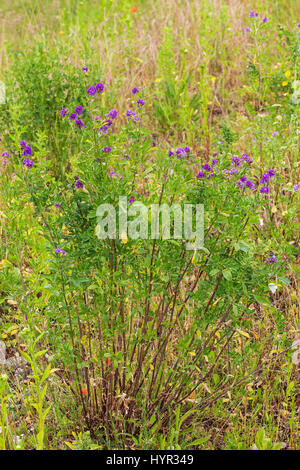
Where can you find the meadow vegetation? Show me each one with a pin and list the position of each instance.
(143, 344)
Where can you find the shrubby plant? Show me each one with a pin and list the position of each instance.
(136, 326)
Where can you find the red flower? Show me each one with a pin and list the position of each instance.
(83, 391)
(107, 362)
(134, 9)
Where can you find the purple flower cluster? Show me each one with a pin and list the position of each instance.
(60, 251)
(27, 162)
(296, 188)
(129, 112)
(107, 149)
(74, 116)
(79, 124)
(113, 113)
(140, 103)
(27, 150)
(208, 167)
(79, 110)
(113, 174)
(245, 183)
(5, 155)
(135, 90)
(180, 152)
(79, 184)
(265, 178)
(236, 161)
(94, 90)
(272, 259)
(105, 126)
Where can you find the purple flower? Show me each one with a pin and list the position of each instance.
(85, 69)
(265, 178)
(72, 116)
(214, 162)
(275, 133)
(111, 174)
(22, 144)
(187, 149)
(113, 113)
(271, 260)
(100, 88)
(201, 174)
(135, 90)
(206, 167)
(27, 150)
(236, 161)
(60, 250)
(131, 200)
(92, 91)
(265, 19)
(296, 188)
(5, 154)
(180, 153)
(105, 126)
(79, 110)
(140, 102)
(79, 124)
(271, 172)
(249, 184)
(253, 14)
(210, 176)
(243, 179)
(265, 189)
(130, 113)
(233, 171)
(170, 153)
(79, 184)
(27, 162)
(107, 149)
(57, 204)
(63, 112)
(247, 29)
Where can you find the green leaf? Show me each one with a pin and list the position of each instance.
(227, 274)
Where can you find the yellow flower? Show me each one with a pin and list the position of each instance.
(287, 74)
(285, 83)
